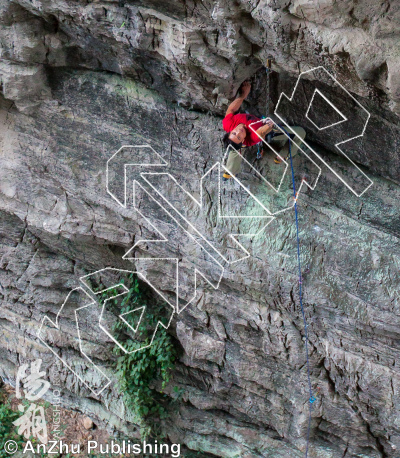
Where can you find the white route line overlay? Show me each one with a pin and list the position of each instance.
(339, 143)
(91, 303)
(163, 163)
(344, 119)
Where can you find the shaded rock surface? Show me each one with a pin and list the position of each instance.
(81, 79)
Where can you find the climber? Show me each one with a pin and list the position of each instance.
(239, 133)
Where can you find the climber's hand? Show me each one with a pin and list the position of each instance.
(268, 121)
(245, 89)
(269, 124)
(266, 128)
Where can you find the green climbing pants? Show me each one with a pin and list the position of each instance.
(280, 144)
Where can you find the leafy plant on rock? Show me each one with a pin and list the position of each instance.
(7, 429)
(144, 373)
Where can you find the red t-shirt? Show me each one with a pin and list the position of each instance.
(231, 121)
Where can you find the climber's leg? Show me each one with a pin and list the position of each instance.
(283, 142)
(233, 164)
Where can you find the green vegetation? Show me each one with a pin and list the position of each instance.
(143, 374)
(7, 429)
(8, 432)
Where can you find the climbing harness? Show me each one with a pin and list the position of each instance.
(312, 398)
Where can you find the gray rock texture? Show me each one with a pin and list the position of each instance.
(80, 79)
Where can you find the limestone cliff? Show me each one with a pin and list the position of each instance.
(79, 79)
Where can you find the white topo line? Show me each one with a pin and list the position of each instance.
(177, 216)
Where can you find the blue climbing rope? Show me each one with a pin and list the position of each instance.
(312, 398)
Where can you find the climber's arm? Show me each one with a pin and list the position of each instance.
(234, 106)
(237, 103)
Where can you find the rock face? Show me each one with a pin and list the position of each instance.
(81, 79)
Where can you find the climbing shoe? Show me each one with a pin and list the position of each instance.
(226, 176)
(277, 160)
